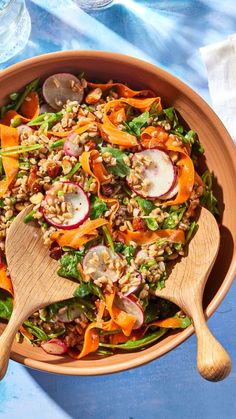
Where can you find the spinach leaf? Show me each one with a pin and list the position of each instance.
(174, 218)
(69, 262)
(127, 251)
(146, 205)
(6, 305)
(120, 169)
(87, 288)
(98, 207)
(134, 126)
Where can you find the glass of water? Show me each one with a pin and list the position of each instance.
(92, 4)
(15, 27)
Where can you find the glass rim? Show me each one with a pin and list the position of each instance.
(4, 10)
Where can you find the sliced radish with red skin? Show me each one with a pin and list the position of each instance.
(24, 129)
(172, 192)
(55, 347)
(130, 307)
(102, 270)
(63, 315)
(133, 288)
(71, 148)
(80, 205)
(160, 174)
(59, 88)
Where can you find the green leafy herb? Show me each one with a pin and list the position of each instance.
(134, 126)
(68, 268)
(120, 169)
(172, 116)
(6, 305)
(174, 218)
(159, 309)
(98, 207)
(208, 200)
(127, 251)
(191, 231)
(146, 205)
(87, 288)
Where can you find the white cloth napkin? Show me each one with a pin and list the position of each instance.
(220, 62)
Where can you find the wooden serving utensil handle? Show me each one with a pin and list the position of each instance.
(213, 362)
(7, 338)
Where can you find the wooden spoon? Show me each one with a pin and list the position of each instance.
(185, 287)
(36, 284)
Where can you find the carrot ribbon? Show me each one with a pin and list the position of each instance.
(122, 89)
(9, 138)
(174, 236)
(5, 281)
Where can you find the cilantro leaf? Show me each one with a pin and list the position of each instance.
(98, 207)
(134, 126)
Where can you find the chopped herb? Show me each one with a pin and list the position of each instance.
(120, 169)
(146, 205)
(191, 231)
(134, 126)
(152, 224)
(36, 331)
(98, 207)
(86, 288)
(6, 305)
(73, 171)
(208, 200)
(69, 262)
(174, 218)
(29, 217)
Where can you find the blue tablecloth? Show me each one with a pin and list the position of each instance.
(167, 33)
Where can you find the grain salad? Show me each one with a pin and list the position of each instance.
(110, 176)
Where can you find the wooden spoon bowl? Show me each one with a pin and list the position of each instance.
(36, 284)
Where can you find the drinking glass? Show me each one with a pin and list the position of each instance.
(92, 4)
(15, 27)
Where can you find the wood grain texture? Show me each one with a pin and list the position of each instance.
(34, 276)
(185, 286)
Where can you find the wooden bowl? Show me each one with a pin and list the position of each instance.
(220, 159)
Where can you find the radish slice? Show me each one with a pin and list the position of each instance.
(59, 88)
(126, 304)
(62, 316)
(137, 277)
(158, 173)
(24, 129)
(45, 108)
(76, 197)
(172, 192)
(71, 147)
(100, 261)
(55, 347)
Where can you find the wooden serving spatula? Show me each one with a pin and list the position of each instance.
(36, 284)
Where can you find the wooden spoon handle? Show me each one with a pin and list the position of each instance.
(7, 338)
(214, 363)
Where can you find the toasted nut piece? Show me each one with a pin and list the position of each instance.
(36, 198)
(93, 96)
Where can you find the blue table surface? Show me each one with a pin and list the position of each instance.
(169, 34)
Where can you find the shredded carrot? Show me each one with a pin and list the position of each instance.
(124, 320)
(11, 115)
(5, 280)
(117, 117)
(122, 89)
(98, 169)
(81, 127)
(78, 236)
(118, 338)
(153, 137)
(9, 138)
(174, 236)
(101, 310)
(30, 107)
